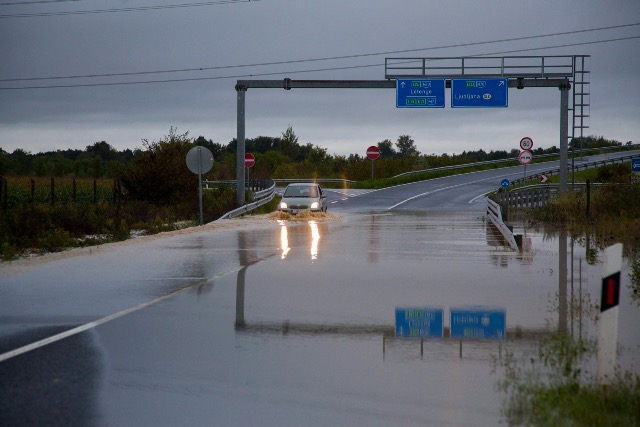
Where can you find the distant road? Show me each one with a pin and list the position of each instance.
(459, 193)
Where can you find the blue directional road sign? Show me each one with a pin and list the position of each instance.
(419, 322)
(478, 323)
(504, 183)
(419, 93)
(479, 93)
(635, 165)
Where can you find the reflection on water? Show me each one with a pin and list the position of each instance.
(284, 239)
(315, 239)
(312, 234)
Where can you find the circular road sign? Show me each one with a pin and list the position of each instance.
(526, 143)
(505, 183)
(249, 160)
(525, 157)
(199, 160)
(373, 152)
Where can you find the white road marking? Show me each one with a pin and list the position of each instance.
(54, 338)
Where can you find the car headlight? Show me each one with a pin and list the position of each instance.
(283, 205)
(315, 205)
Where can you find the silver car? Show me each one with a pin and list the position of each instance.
(301, 197)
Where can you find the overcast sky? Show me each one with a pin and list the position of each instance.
(223, 41)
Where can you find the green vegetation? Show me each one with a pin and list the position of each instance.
(150, 188)
(613, 210)
(550, 387)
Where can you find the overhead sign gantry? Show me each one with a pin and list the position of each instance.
(475, 82)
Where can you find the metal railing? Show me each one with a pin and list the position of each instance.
(312, 180)
(532, 196)
(512, 159)
(535, 67)
(259, 198)
(584, 166)
(494, 213)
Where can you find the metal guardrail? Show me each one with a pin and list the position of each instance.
(533, 195)
(585, 166)
(260, 198)
(494, 213)
(513, 159)
(330, 180)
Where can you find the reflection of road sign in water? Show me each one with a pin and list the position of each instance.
(526, 143)
(478, 322)
(505, 183)
(419, 322)
(525, 157)
(635, 165)
(479, 93)
(419, 93)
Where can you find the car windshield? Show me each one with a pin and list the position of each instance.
(301, 191)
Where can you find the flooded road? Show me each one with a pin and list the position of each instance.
(292, 323)
(259, 321)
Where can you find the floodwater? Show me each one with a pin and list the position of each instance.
(302, 332)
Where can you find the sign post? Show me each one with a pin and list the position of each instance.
(608, 323)
(199, 160)
(373, 153)
(525, 158)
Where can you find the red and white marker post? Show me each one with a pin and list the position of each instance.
(373, 153)
(608, 323)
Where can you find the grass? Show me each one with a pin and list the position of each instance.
(30, 223)
(552, 388)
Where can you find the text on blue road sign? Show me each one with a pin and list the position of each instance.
(419, 93)
(479, 93)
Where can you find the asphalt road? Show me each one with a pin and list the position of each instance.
(271, 324)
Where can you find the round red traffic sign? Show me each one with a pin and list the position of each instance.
(373, 152)
(249, 160)
(525, 157)
(526, 143)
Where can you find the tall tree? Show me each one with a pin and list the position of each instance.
(289, 144)
(406, 146)
(386, 149)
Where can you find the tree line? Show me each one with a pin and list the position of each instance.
(276, 157)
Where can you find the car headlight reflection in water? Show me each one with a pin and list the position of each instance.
(315, 239)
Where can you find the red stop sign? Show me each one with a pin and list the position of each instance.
(249, 160)
(373, 152)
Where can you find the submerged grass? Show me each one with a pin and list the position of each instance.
(550, 387)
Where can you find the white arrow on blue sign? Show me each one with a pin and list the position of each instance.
(635, 165)
(505, 183)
